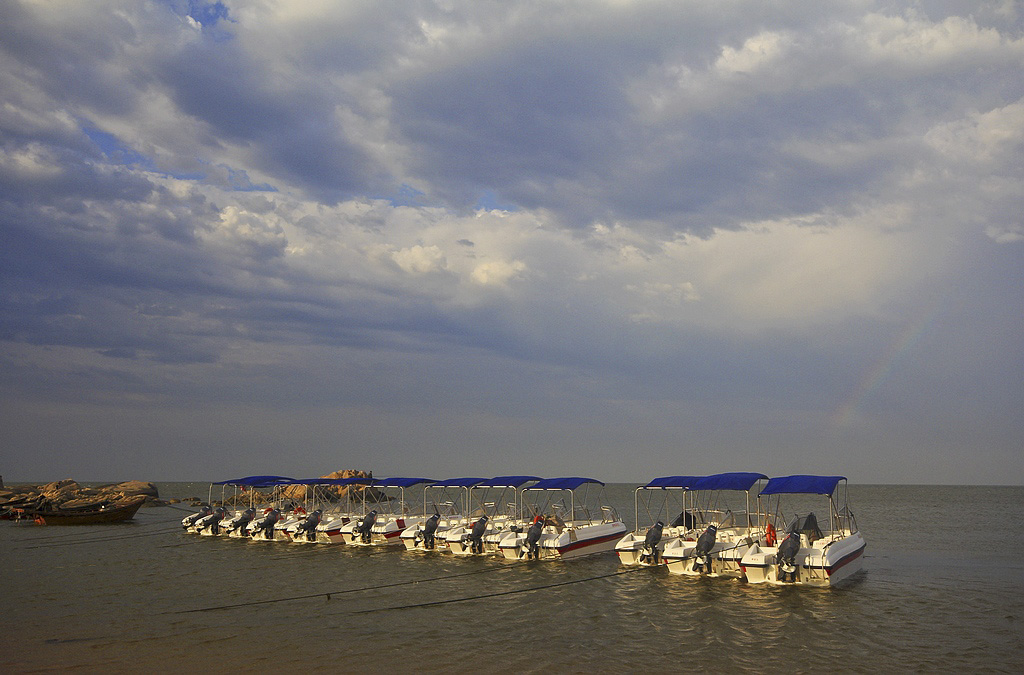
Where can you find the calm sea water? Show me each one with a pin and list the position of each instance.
(942, 591)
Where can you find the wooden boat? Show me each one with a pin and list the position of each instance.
(115, 512)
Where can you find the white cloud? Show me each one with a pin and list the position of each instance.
(32, 162)
(1006, 235)
(757, 53)
(919, 42)
(982, 138)
(420, 259)
(685, 184)
(793, 275)
(498, 272)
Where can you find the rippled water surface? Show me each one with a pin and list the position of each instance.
(943, 590)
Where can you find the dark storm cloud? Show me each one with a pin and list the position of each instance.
(776, 238)
(292, 128)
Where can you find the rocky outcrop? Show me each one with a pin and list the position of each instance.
(68, 493)
(332, 492)
(324, 493)
(136, 487)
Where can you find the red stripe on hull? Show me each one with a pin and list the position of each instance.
(846, 559)
(588, 542)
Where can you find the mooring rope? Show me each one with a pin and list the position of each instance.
(178, 508)
(81, 533)
(498, 594)
(328, 594)
(138, 535)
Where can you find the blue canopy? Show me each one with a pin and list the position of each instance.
(737, 480)
(566, 483)
(457, 482)
(257, 481)
(814, 485)
(507, 481)
(400, 482)
(673, 482)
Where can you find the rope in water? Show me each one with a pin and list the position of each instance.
(328, 594)
(66, 536)
(104, 539)
(515, 591)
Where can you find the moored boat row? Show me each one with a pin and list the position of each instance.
(735, 525)
(510, 516)
(718, 533)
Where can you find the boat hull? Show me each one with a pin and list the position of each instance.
(413, 540)
(458, 542)
(116, 513)
(572, 542)
(387, 533)
(631, 549)
(331, 532)
(724, 557)
(824, 563)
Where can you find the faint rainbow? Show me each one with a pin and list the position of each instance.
(880, 370)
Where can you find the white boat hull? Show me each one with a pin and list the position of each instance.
(631, 550)
(825, 562)
(724, 557)
(412, 537)
(458, 542)
(331, 531)
(387, 533)
(572, 542)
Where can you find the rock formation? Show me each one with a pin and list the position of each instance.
(68, 493)
(324, 493)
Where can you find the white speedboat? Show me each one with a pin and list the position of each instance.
(811, 551)
(189, 521)
(302, 525)
(447, 502)
(661, 499)
(344, 511)
(561, 530)
(303, 530)
(290, 512)
(724, 527)
(384, 523)
(242, 507)
(275, 513)
(263, 526)
(494, 509)
(209, 525)
(235, 524)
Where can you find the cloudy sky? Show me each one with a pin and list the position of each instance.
(618, 239)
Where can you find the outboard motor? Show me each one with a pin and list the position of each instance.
(241, 520)
(308, 525)
(365, 527)
(531, 548)
(476, 535)
(650, 550)
(189, 521)
(201, 524)
(211, 521)
(786, 557)
(265, 525)
(428, 530)
(702, 551)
